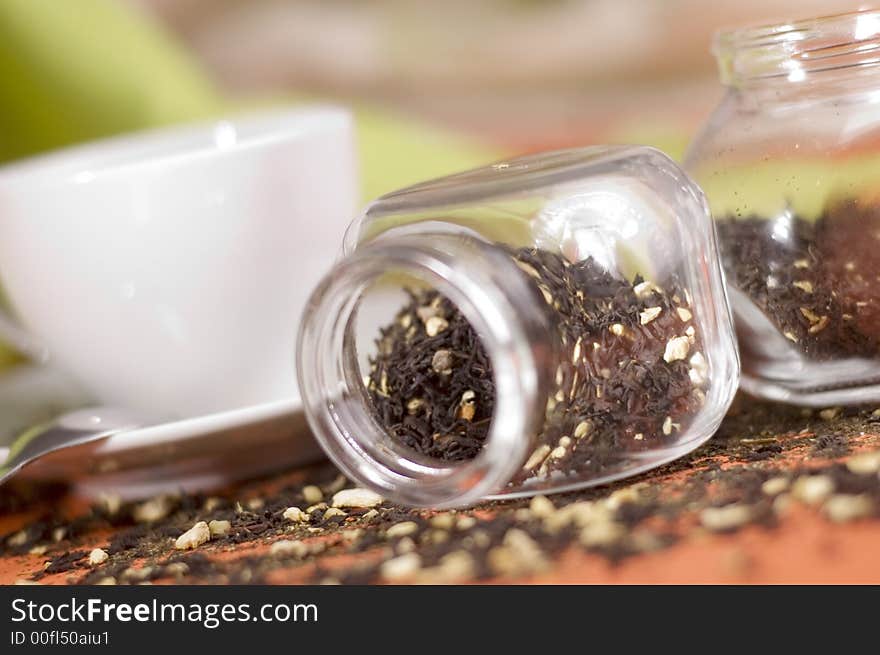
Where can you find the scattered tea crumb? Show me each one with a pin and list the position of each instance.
(401, 529)
(18, 539)
(312, 494)
(812, 489)
(334, 512)
(455, 567)
(723, 519)
(154, 509)
(288, 548)
(356, 498)
(848, 507)
(212, 503)
(219, 528)
(110, 503)
(864, 463)
(98, 556)
(296, 515)
(401, 567)
(194, 537)
(541, 507)
(444, 521)
(775, 486)
(601, 533)
(255, 504)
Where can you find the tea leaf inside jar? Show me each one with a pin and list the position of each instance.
(815, 280)
(629, 375)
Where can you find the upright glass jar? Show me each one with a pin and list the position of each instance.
(790, 162)
(538, 325)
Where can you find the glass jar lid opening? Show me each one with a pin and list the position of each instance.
(793, 51)
(331, 356)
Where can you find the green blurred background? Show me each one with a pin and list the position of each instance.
(436, 86)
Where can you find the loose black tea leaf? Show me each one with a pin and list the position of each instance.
(630, 372)
(817, 282)
(432, 380)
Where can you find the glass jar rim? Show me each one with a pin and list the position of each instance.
(347, 431)
(791, 50)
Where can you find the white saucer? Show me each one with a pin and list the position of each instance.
(195, 454)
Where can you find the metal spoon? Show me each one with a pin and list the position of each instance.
(70, 429)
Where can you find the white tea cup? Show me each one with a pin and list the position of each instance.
(168, 270)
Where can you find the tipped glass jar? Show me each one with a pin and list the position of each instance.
(538, 325)
(790, 162)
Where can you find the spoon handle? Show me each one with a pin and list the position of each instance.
(71, 429)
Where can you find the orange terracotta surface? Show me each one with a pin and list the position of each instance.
(804, 546)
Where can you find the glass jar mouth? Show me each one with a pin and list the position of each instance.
(795, 49)
(335, 398)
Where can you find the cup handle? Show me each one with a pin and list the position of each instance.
(20, 339)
